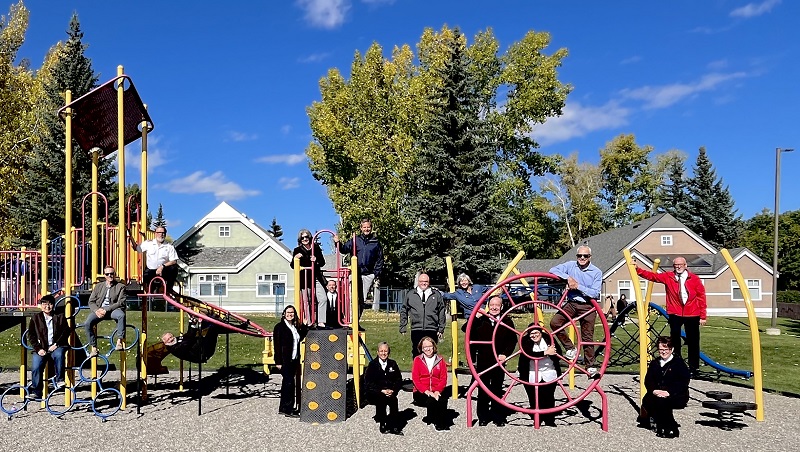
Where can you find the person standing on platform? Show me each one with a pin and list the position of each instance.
(370, 259)
(161, 259)
(311, 262)
(686, 307)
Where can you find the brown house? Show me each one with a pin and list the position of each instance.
(663, 237)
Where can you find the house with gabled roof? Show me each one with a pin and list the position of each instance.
(664, 237)
(229, 260)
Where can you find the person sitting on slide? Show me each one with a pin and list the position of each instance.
(196, 346)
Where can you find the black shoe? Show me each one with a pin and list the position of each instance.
(361, 329)
(500, 422)
(383, 428)
(289, 413)
(396, 431)
(550, 423)
(483, 423)
(695, 373)
(442, 428)
(34, 396)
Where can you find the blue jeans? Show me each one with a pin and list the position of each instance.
(39, 364)
(92, 320)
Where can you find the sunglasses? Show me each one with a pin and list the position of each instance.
(109, 274)
(305, 237)
(587, 256)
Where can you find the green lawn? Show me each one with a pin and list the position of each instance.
(726, 340)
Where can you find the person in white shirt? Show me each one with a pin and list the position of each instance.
(539, 366)
(161, 259)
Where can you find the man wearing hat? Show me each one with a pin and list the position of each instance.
(47, 335)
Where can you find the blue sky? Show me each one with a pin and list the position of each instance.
(227, 85)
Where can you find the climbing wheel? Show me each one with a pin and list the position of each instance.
(526, 312)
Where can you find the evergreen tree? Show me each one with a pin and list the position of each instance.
(713, 215)
(673, 195)
(42, 194)
(159, 221)
(275, 229)
(449, 205)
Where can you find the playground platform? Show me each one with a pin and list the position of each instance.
(247, 419)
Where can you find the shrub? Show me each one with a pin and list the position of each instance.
(789, 296)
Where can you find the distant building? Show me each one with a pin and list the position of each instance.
(231, 261)
(663, 237)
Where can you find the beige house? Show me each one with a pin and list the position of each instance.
(230, 261)
(665, 238)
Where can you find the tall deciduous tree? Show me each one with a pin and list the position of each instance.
(713, 215)
(18, 95)
(629, 181)
(45, 171)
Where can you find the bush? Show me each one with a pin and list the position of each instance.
(789, 296)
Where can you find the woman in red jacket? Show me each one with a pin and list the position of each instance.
(429, 374)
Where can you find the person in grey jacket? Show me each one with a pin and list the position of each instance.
(107, 301)
(425, 309)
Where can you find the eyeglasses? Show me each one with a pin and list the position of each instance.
(109, 274)
(587, 256)
(679, 265)
(427, 347)
(161, 232)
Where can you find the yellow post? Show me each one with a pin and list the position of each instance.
(96, 248)
(755, 340)
(354, 327)
(122, 248)
(508, 270)
(123, 374)
(268, 355)
(641, 314)
(43, 264)
(539, 313)
(451, 282)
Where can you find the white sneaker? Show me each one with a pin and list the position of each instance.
(571, 353)
(591, 372)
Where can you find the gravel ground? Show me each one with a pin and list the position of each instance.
(247, 419)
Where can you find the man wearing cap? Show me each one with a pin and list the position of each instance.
(686, 307)
(107, 301)
(47, 335)
(584, 282)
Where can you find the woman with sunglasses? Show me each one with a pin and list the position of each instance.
(310, 255)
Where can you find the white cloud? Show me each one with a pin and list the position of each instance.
(236, 136)
(325, 13)
(314, 57)
(216, 183)
(755, 9)
(630, 60)
(666, 95)
(288, 183)
(717, 65)
(578, 120)
(287, 159)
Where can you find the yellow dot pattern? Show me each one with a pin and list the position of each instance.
(315, 365)
(333, 375)
(339, 356)
(311, 385)
(332, 416)
(313, 405)
(336, 395)
(314, 347)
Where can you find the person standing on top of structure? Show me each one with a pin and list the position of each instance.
(370, 259)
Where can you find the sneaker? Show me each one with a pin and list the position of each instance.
(119, 345)
(571, 354)
(592, 372)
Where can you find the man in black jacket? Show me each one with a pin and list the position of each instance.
(383, 381)
(47, 335)
(370, 259)
(196, 346)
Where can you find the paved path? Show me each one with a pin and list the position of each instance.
(248, 420)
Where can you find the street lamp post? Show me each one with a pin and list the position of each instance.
(774, 330)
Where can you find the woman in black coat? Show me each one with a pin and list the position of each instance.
(539, 362)
(667, 384)
(383, 380)
(310, 256)
(286, 336)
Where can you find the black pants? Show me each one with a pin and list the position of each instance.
(289, 372)
(489, 409)
(547, 399)
(660, 409)
(691, 325)
(381, 402)
(169, 273)
(436, 409)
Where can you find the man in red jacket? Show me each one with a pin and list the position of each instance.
(686, 306)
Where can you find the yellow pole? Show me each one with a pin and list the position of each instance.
(43, 264)
(354, 327)
(755, 340)
(508, 270)
(453, 325)
(641, 313)
(123, 249)
(524, 282)
(96, 248)
(68, 251)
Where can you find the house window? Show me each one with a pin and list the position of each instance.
(270, 285)
(753, 286)
(666, 240)
(224, 231)
(213, 285)
(625, 287)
